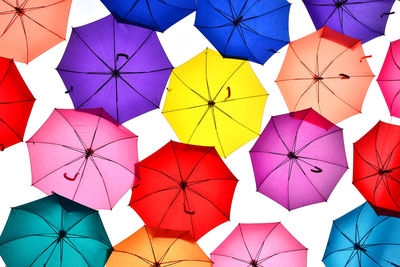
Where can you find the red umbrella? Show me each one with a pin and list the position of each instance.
(184, 187)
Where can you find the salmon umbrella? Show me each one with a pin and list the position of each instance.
(84, 155)
(121, 68)
(213, 101)
(16, 102)
(159, 248)
(298, 159)
(376, 171)
(29, 28)
(260, 245)
(327, 71)
(54, 231)
(184, 187)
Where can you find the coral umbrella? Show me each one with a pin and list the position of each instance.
(16, 102)
(29, 28)
(54, 231)
(298, 159)
(159, 248)
(376, 171)
(361, 19)
(213, 101)
(156, 15)
(327, 71)
(184, 187)
(260, 245)
(253, 30)
(115, 66)
(361, 238)
(85, 156)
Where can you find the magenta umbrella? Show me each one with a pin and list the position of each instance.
(298, 159)
(260, 245)
(83, 155)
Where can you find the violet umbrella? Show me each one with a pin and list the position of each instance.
(119, 67)
(298, 159)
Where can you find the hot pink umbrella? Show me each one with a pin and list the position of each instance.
(260, 245)
(84, 155)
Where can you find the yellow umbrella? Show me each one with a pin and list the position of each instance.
(215, 101)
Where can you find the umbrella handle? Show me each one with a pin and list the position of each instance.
(229, 93)
(387, 14)
(365, 57)
(2, 147)
(344, 76)
(316, 169)
(68, 91)
(188, 211)
(122, 55)
(69, 178)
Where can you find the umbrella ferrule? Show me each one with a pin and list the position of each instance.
(211, 103)
(88, 153)
(292, 155)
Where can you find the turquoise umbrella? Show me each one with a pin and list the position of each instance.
(54, 231)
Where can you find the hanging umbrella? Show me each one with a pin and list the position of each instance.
(213, 101)
(327, 71)
(361, 238)
(30, 28)
(184, 187)
(376, 171)
(159, 248)
(252, 30)
(298, 159)
(361, 19)
(16, 102)
(260, 245)
(115, 66)
(85, 156)
(156, 15)
(54, 231)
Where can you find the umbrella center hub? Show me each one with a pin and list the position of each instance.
(211, 103)
(254, 263)
(183, 185)
(357, 246)
(318, 78)
(382, 171)
(116, 73)
(62, 234)
(19, 10)
(157, 264)
(237, 21)
(88, 152)
(340, 3)
(292, 155)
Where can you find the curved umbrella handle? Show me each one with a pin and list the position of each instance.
(122, 55)
(69, 178)
(188, 211)
(365, 57)
(2, 147)
(136, 186)
(229, 93)
(316, 169)
(344, 76)
(68, 91)
(169, 89)
(387, 14)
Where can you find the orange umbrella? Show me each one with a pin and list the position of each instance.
(30, 27)
(153, 247)
(326, 71)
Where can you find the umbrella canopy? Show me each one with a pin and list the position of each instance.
(54, 231)
(213, 101)
(16, 102)
(115, 66)
(159, 248)
(252, 30)
(361, 19)
(327, 71)
(184, 187)
(298, 159)
(156, 15)
(260, 245)
(29, 28)
(85, 156)
(361, 238)
(376, 170)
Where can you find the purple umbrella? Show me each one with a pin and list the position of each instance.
(360, 19)
(118, 67)
(298, 159)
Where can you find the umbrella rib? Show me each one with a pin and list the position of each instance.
(205, 99)
(12, 21)
(81, 178)
(332, 92)
(154, 192)
(297, 56)
(339, 250)
(198, 162)
(26, 236)
(168, 208)
(55, 144)
(345, 9)
(233, 12)
(130, 9)
(26, 38)
(5, 74)
(305, 91)
(147, 71)
(170, 246)
(40, 7)
(52, 226)
(76, 133)
(195, 128)
(130, 86)
(16, 102)
(241, 34)
(387, 187)
(263, 243)
(137, 50)
(237, 259)
(170, 263)
(282, 252)
(51, 253)
(229, 38)
(102, 178)
(370, 164)
(87, 237)
(151, 15)
(135, 255)
(166, 175)
(244, 242)
(215, 27)
(246, 27)
(176, 159)
(351, 241)
(378, 158)
(47, 29)
(80, 220)
(200, 195)
(211, 180)
(208, 86)
(370, 230)
(297, 131)
(40, 254)
(72, 245)
(229, 116)
(321, 160)
(179, 7)
(363, 178)
(180, 109)
(277, 132)
(230, 76)
(298, 165)
(8, 126)
(393, 58)
(216, 130)
(268, 152)
(316, 139)
(151, 244)
(277, 167)
(240, 98)
(83, 72)
(351, 257)
(95, 93)
(225, 15)
(338, 56)
(112, 142)
(267, 13)
(8, 3)
(288, 187)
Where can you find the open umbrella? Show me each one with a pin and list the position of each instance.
(159, 248)
(85, 156)
(54, 231)
(252, 30)
(327, 71)
(115, 66)
(16, 102)
(376, 171)
(260, 245)
(213, 101)
(361, 19)
(361, 238)
(157, 15)
(298, 159)
(29, 28)
(184, 187)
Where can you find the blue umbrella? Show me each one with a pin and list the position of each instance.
(361, 238)
(251, 29)
(156, 15)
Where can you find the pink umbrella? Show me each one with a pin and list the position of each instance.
(260, 245)
(84, 155)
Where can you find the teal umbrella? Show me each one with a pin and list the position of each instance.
(54, 231)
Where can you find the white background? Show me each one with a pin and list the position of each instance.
(310, 225)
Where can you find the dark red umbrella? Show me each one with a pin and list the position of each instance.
(184, 187)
